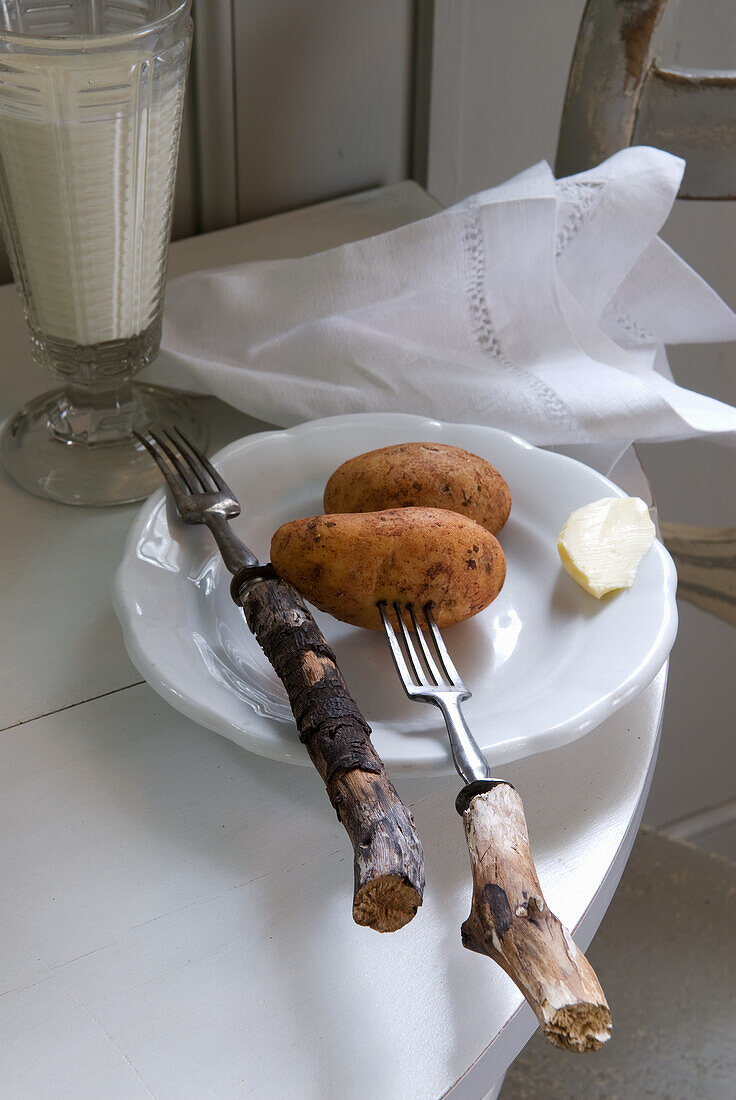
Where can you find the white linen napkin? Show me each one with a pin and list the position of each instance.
(540, 306)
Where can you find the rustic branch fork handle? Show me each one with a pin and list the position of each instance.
(509, 918)
(389, 869)
(511, 922)
(388, 860)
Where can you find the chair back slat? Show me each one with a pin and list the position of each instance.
(619, 95)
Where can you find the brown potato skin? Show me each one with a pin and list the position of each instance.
(421, 475)
(345, 563)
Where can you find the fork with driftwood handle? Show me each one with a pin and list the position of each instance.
(388, 863)
(509, 919)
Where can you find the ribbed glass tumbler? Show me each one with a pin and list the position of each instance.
(91, 95)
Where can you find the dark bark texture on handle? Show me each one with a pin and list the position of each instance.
(389, 865)
(511, 922)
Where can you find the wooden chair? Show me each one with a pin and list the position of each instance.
(619, 94)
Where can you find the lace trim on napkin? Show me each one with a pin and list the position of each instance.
(481, 321)
(584, 195)
(614, 314)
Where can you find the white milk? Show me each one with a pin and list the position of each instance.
(88, 152)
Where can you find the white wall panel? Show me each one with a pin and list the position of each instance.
(214, 123)
(498, 85)
(323, 99)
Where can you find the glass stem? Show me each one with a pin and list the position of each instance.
(96, 414)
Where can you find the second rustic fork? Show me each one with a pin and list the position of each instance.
(509, 919)
(388, 864)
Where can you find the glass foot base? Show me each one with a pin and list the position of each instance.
(37, 455)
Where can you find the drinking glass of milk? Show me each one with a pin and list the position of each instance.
(91, 96)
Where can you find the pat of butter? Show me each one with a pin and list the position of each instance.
(602, 544)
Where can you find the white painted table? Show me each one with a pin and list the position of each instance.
(159, 937)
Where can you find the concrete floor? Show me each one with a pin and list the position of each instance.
(666, 958)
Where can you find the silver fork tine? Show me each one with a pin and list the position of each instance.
(447, 691)
(434, 672)
(176, 463)
(414, 661)
(396, 651)
(197, 500)
(450, 671)
(175, 483)
(189, 462)
(205, 462)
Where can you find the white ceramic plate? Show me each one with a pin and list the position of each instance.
(546, 662)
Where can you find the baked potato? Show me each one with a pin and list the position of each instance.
(424, 475)
(345, 563)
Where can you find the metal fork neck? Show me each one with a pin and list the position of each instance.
(469, 761)
(235, 553)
